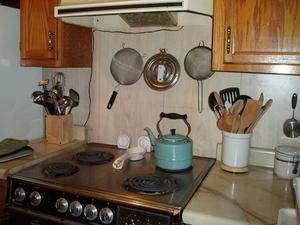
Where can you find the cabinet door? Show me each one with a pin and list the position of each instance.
(257, 36)
(38, 29)
(2, 196)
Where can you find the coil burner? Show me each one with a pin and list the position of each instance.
(151, 184)
(93, 157)
(60, 169)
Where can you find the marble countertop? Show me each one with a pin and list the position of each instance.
(253, 198)
(42, 151)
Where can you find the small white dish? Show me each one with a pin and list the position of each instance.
(144, 142)
(123, 141)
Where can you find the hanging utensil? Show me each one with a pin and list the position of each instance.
(291, 127)
(197, 64)
(126, 68)
(161, 71)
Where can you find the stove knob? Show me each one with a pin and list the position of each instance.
(35, 198)
(61, 205)
(19, 194)
(75, 208)
(106, 216)
(90, 212)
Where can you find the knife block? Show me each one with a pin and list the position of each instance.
(59, 129)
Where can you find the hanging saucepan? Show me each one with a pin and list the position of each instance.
(197, 64)
(161, 71)
(126, 68)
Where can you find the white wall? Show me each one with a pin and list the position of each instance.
(19, 117)
(137, 106)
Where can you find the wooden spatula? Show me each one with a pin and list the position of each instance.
(250, 114)
(263, 110)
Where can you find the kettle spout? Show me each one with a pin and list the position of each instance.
(151, 136)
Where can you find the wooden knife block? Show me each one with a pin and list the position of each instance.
(59, 129)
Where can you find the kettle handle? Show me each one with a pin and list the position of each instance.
(173, 116)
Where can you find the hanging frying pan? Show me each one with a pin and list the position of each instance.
(126, 67)
(197, 64)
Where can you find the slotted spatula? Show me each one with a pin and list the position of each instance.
(230, 94)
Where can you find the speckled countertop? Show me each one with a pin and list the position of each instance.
(252, 198)
(42, 150)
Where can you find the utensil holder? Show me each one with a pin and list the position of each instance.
(235, 153)
(59, 129)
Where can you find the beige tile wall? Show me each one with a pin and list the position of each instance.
(137, 106)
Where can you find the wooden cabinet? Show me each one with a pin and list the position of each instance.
(3, 187)
(48, 42)
(256, 36)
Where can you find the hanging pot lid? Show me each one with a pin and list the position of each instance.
(161, 71)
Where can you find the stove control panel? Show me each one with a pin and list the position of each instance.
(81, 209)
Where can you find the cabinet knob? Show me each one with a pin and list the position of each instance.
(228, 41)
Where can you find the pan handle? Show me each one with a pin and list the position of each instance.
(112, 100)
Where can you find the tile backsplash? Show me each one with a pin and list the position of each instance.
(137, 106)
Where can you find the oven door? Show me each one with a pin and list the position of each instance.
(17, 219)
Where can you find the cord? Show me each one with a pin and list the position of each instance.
(140, 32)
(91, 76)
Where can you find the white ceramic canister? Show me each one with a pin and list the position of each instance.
(236, 149)
(287, 160)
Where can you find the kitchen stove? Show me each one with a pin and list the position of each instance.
(98, 194)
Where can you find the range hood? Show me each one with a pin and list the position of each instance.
(119, 14)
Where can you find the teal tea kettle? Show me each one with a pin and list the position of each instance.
(173, 152)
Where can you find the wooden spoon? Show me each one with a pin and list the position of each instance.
(223, 125)
(220, 103)
(235, 110)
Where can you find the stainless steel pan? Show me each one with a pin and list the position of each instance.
(197, 64)
(126, 68)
